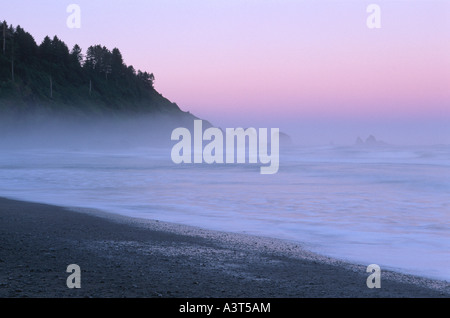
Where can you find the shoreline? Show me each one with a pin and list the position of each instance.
(121, 256)
(287, 247)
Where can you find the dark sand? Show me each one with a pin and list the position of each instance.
(124, 257)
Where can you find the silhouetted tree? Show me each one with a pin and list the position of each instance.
(26, 48)
(76, 56)
(146, 78)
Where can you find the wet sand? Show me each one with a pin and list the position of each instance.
(126, 257)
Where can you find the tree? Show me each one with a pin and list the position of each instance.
(99, 59)
(46, 49)
(4, 29)
(11, 32)
(146, 78)
(60, 51)
(26, 47)
(75, 55)
(117, 66)
(131, 70)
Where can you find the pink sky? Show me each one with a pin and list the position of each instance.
(250, 61)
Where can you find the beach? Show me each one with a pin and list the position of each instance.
(129, 257)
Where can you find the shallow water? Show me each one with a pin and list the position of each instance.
(389, 206)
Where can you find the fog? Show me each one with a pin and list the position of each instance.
(154, 130)
(311, 131)
(71, 133)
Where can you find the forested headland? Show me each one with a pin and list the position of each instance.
(50, 78)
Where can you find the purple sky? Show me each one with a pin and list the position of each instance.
(312, 68)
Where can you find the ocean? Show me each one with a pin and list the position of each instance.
(385, 205)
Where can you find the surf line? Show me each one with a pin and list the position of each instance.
(214, 151)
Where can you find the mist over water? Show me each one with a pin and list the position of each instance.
(386, 205)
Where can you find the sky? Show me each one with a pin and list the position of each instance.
(314, 69)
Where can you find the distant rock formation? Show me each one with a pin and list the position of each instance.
(285, 139)
(371, 141)
(359, 141)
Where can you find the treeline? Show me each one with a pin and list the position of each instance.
(51, 76)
